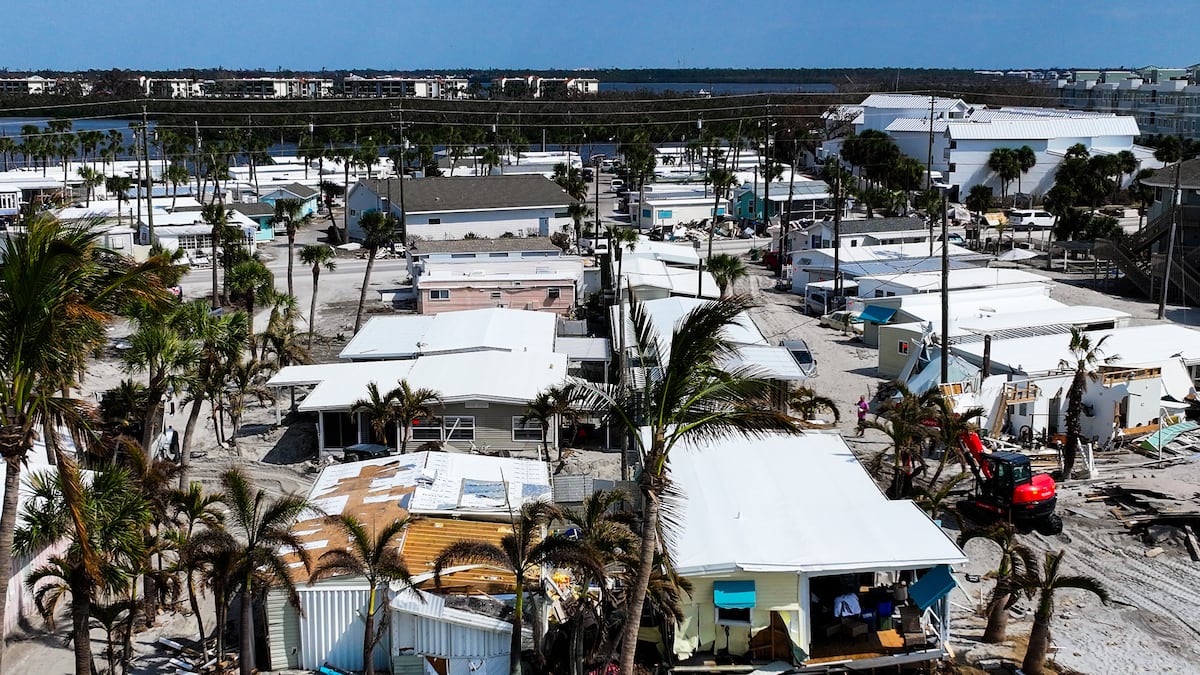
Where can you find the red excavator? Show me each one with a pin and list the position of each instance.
(1007, 489)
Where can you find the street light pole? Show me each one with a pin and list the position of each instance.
(945, 294)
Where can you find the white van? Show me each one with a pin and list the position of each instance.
(1020, 220)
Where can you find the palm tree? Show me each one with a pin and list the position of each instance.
(216, 215)
(722, 181)
(379, 230)
(807, 404)
(906, 429)
(317, 256)
(413, 404)
(549, 408)
(212, 555)
(376, 557)
(245, 378)
(1003, 161)
(1016, 561)
(111, 617)
(193, 508)
(219, 339)
(1045, 583)
(8, 147)
(951, 427)
(115, 515)
(345, 155)
(1084, 358)
(727, 269)
(522, 553)
(58, 290)
(263, 528)
(158, 349)
(578, 211)
(252, 280)
(279, 337)
(692, 397)
(288, 212)
(176, 174)
(1026, 159)
(380, 410)
(92, 179)
(119, 186)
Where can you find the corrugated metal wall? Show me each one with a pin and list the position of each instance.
(331, 629)
(283, 631)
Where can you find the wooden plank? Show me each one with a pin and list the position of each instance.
(1192, 547)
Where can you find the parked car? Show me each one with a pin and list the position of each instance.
(843, 320)
(617, 184)
(360, 451)
(1021, 220)
(955, 238)
(803, 356)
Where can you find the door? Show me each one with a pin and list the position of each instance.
(543, 227)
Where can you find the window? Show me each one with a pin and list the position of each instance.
(338, 430)
(662, 213)
(435, 221)
(353, 212)
(902, 347)
(439, 294)
(460, 428)
(528, 430)
(496, 295)
(563, 214)
(952, 167)
(879, 294)
(497, 255)
(733, 616)
(427, 429)
(646, 213)
(552, 293)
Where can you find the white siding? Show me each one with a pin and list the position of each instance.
(332, 628)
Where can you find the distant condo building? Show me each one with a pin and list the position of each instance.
(532, 86)
(25, 86)
(269, 88)
(356, 86)
(171, 87)
(1163, 100)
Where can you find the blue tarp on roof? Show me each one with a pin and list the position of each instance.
(734, 594)
(936, 583)
(877, 314)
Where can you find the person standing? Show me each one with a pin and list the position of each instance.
(863, 409)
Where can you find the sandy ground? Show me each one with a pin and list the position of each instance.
(1152, 626)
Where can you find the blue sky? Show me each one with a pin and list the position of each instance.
(449, 34)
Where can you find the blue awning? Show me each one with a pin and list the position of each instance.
(734, 594)
(877, 314)
(929, 588)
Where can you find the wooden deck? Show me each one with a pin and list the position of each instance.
(871, 645)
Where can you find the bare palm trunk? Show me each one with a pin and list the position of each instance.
(246, 657)
(514, 654)
(1039, 643)
(8, 523)
(213, 261)
(291, 235)
(997, 624)
(80, 620)
(637, 599)
(194, 602)
(312, 307)
(185, 448)
(362, 296)
(369, 634)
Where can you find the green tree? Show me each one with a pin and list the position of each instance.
(550, 408)
(979, 199)
(262, 526)
(722, 181)
(379, 230)
(1142, 194)
(413, 404)
(245, 378)
(115, 515)
(1026, 159)
(1045, 583)
(119, 187)
(1085, 357)
(212, 555)
(59, 289)
(176, 174)
(578, 211)
(253, 281)
(807, 404)
(318, 256)
(522, 553)
(194, 510)
(907, 432)
(951, 427)
(1003, 162)
(694, 398)
(1016, 561)
(280, 345)
(727, 269)
(289, 212)
(380, 410)
(375, 556)
(92, 179)
(158, 349)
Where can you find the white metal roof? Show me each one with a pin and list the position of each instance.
(1134, 346)
(584, 348)
(489, 329)
(646, 272)
(431, 606)
(1074, 315)
(671, 253)
(767, 361)
(1044, 129)
(883, 252)
(796, 504)
(969, 277)
(915, 124)
(909, 101)
(507, 377)
(549, 268)
(975, 303)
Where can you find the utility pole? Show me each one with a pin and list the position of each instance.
(149, 178)
(1162, 300)
(837, 230)
(945, 294)
(404, 160)
(196, 164)
(929, 173)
